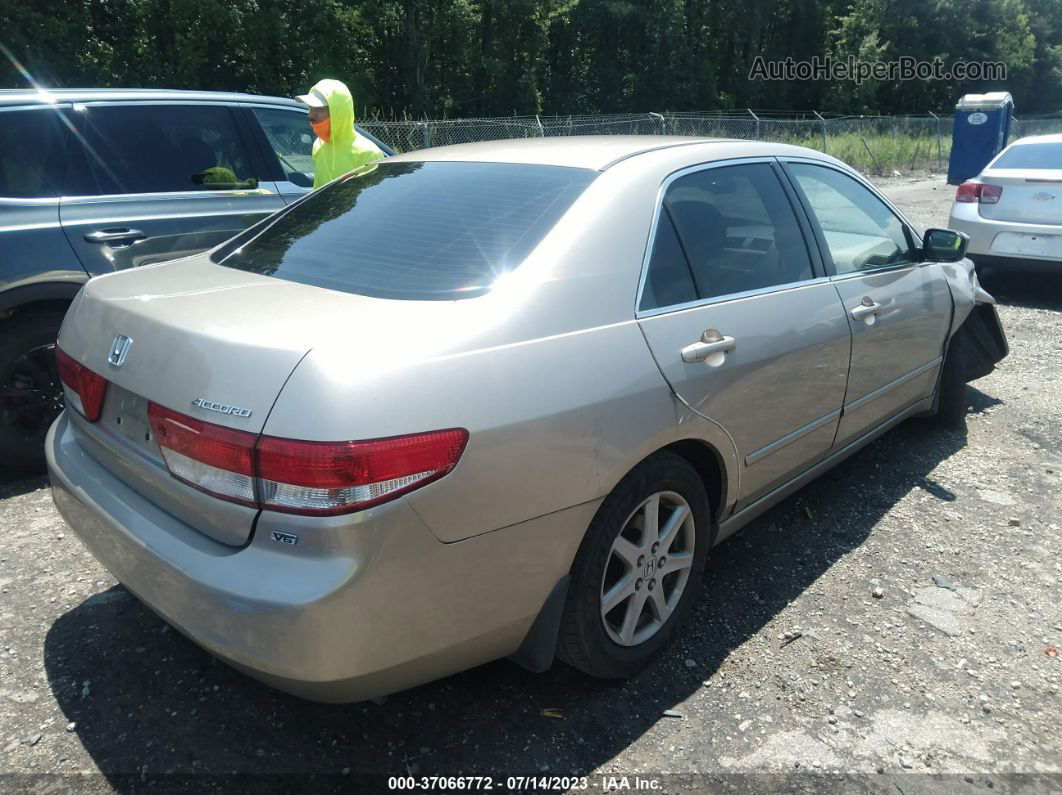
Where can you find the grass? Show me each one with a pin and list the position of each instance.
(871, 151)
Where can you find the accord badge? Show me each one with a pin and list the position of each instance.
(221, 408)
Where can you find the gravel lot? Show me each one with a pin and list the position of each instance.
(897, 616)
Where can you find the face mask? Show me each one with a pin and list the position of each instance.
(323, 129)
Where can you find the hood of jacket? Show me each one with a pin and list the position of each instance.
(346, 150)
(340, 110)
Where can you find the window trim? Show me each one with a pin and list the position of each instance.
(75, 148)
(816, 227)
(813, 255)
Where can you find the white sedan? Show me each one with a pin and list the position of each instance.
(1012, 211)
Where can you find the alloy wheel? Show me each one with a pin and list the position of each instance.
(648, 568)
(30, 395)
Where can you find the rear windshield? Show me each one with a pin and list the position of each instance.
(1031, 156)
(414, 231)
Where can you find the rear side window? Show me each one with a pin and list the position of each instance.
(158, 149)
(413, 231)
(32, 153)
(1035, 156)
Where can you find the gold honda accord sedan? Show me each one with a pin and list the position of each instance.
(496, 400)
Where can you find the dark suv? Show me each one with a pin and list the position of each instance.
(95, 180)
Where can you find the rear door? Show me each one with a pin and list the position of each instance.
(155, 181)
(898, 307)
(741, 324)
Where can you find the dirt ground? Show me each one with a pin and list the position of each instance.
(895, 618)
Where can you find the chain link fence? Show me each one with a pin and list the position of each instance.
(872, 144)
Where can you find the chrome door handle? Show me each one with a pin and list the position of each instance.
(865, 309)
(711, 342)
(127, 236)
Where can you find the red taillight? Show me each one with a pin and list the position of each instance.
(970, 192)
(328, 478)
(88, 387)
(212, 458)
(291, 476)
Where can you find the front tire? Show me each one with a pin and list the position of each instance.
(951, 394)
(637, 572)
(30, 394)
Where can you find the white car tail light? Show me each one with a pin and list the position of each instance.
(292, 476)
(209, 457)
(87, 387)
(973, 192)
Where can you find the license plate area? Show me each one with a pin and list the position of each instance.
(1027, 245)
(125, 414)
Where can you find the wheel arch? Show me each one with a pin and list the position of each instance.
(704, 458)
(52, 295)
(717, 470)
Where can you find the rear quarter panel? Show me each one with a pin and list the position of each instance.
(548, 420)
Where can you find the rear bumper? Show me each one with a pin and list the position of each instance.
(372, 606)
(1000, 240)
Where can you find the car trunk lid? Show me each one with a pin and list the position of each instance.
(218, 345)
(208, 342)
(1028, 196)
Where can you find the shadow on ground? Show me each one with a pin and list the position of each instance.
(146, 701)
(1020, 288)
(13, 483)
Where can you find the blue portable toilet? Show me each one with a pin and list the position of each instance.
(982, 125)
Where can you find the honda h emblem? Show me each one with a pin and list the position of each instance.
(119, 350)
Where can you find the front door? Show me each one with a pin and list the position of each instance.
(899, 308)
(743, 329)
(149, 182)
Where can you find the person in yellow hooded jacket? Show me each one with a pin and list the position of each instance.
(339, 149)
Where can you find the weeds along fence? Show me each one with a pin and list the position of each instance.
(872, 144)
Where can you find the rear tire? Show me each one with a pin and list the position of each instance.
(951, 394)
(618, 553)
(30, 394)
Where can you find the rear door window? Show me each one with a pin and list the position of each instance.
(32, 152)
(146, 148)
(735, 228)
(669, 281)
(409, 230)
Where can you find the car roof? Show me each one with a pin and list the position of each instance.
(597, 152)
(30, 96)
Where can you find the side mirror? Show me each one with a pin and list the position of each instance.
(944, 245)
(301, 179)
